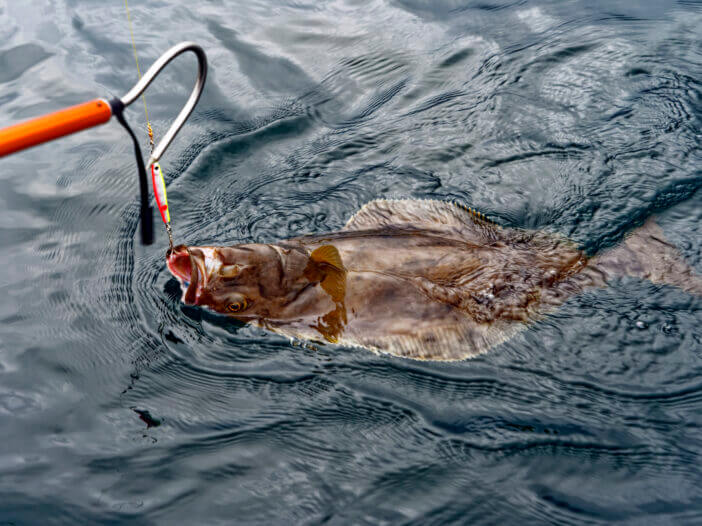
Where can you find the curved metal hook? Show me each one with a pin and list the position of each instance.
(153, 72)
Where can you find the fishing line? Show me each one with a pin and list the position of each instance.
(157, 179)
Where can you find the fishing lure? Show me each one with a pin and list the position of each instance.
(160, 192)
(159, 185)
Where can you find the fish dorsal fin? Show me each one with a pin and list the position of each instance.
(422, 214)
(332, 273)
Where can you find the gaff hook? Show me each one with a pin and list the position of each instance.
(152, 73)
(99, 111)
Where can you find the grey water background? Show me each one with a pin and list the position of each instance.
(118, 404)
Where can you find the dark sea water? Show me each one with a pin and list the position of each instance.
(119, 404)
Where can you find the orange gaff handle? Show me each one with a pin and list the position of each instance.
(160, 192)
(53, 125)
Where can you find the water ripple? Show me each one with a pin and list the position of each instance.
(579, 119)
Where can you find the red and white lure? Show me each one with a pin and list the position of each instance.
(159, 185)
(160, 192)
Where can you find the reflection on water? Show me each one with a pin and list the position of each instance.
(119, 403)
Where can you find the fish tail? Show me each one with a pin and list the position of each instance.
(645, 253)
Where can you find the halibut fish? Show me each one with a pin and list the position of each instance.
(420, 279)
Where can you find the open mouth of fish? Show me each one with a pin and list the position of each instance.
(192, 268)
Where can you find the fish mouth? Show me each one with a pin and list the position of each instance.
(188, 266)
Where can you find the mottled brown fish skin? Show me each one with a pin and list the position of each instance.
(418, 279)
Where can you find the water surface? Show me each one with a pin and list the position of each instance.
(119, 404)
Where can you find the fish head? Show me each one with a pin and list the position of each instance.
(249, 281)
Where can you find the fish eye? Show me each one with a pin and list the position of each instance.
(237, 306)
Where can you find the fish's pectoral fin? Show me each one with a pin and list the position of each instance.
(334, 284)
(328, 254)
(326, 266)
